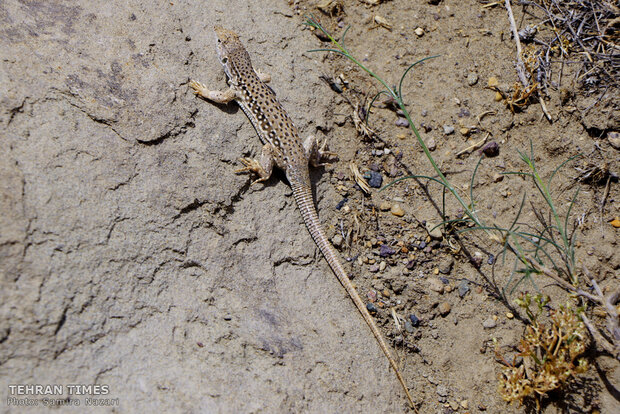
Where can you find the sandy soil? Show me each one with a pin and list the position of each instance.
(132, 256)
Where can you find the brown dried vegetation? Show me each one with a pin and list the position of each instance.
(551, 353)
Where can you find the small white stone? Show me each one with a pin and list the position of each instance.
(489, 323)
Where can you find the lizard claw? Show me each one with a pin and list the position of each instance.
(198, 88)
(252, 165)
(325, 153)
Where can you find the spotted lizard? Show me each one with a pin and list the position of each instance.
(283, 148)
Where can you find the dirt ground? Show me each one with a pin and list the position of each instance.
(132, 256)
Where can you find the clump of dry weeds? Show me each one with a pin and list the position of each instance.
(582, 32)
(550, 351)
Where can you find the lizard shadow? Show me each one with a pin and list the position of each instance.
(230, 107)
(278, 175)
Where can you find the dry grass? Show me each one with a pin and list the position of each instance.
(551, 353)
(583, 33)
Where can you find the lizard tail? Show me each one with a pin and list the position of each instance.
(304, 199)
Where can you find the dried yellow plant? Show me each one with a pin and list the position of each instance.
(551, 353)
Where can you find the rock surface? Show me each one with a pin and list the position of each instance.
(127, 239)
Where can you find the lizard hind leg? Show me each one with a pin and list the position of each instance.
(263, 167)
(318, 155)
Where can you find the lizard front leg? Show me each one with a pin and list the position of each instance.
(263, 168)
(317, 155)
(221, 97)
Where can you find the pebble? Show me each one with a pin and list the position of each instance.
(408, 326)
(515, 360)
(510, 315)
(341, 203)
(374, 179)
(371, 308)
(444, 308)
(374, 268)
(397, 210)
(447, 129)
(472, 79)
(424, 113)
(491, 259)
(385, 293)
(382, 266)
(434, 230)
(442, 390)
(431, 144)
(372, 295)
(463, 112)
(614, 139)
(492, 82)
(489, 323)
(401, 122)
(415, 321)
(385, 250)
(491, 149)
(435, 285)
(615, 223)
(465, 404)
(497, 177)
(385, 206)
(464, 131)
(463, 288)
(337, 240)
(445, 265)
(419, 32)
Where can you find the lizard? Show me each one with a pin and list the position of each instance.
(283, 148)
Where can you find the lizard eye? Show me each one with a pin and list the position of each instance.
(224, 60)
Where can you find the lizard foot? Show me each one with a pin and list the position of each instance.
(221, 97)
(254, 166)
(318, 155)
(325, 154)
(199, 88)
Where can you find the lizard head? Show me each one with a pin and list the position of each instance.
(230, 52)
